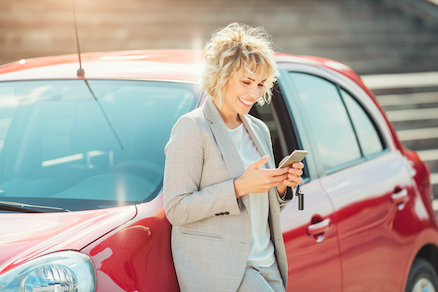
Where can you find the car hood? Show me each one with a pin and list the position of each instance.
(27, 235)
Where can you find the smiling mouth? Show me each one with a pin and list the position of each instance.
(246, 102)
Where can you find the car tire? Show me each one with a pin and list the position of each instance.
(422, 277)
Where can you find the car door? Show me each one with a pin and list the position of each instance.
(310, 235)
(368, 180)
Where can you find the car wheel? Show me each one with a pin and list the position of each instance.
(422, 277)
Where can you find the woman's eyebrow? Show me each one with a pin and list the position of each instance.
(254, 80)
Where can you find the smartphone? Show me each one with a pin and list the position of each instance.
(296, 156)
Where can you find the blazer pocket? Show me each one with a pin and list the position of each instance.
(205, 235)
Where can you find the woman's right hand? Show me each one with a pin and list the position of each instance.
(256, 180)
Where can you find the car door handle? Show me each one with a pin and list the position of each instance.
(320, 227)
(399, 196)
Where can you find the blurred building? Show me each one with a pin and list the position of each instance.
(371, 36)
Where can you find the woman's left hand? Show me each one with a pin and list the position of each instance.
(294, 177)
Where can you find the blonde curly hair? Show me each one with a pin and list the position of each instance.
(232, 48)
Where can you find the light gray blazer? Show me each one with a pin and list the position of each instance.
(211, 232)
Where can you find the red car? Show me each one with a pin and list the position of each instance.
(82, 161)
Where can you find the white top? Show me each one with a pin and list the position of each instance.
(261, 252)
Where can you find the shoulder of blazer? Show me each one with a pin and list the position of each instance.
(196, 115)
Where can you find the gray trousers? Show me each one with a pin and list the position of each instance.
(260, 279)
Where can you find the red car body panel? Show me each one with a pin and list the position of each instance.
(183, 65)
(375, 234)
(130, 246)
(136, 257)
(310, 255)
(25, 236)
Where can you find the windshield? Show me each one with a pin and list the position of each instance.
(83, 145)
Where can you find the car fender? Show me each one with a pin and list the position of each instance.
(427, 236)
(137, 256)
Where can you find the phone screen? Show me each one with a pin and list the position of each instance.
(296, 156)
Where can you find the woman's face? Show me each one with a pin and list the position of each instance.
(242, 91)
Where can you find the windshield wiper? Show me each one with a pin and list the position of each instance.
(26, 208)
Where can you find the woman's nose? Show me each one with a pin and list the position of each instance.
(254, 91)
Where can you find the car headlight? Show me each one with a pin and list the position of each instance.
(64, 271)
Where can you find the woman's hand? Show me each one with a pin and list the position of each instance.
(256, 180)
(294, 174)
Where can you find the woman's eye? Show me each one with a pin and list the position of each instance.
(261, 85)
(246, 82)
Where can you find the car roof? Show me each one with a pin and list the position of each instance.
(182, 65)
(173, 65)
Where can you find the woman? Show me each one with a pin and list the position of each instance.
(222, 192)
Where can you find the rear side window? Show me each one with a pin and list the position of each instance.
(366, 132)
(340, 127)
(328, 119)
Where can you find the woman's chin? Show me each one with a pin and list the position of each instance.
(244, 109)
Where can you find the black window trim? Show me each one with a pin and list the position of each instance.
(372, 120)
(338, 88)
(289, 129)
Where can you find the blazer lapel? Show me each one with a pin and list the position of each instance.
(258, 139)
(262, 147)
(223, 139)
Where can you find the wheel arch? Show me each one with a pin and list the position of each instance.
(419, 271)
(429, 252)
(425, 246)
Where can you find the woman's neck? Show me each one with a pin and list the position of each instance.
(231, 119)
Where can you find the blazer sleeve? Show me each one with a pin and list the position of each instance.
(184, 201)
(287, 197)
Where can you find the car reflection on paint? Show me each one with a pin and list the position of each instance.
(82, 162)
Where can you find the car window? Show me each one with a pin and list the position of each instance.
(85, 145)
(7, 110)
(328, 120)
(367, 134)
(264, 112)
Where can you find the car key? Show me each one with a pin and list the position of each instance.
(300, 196)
